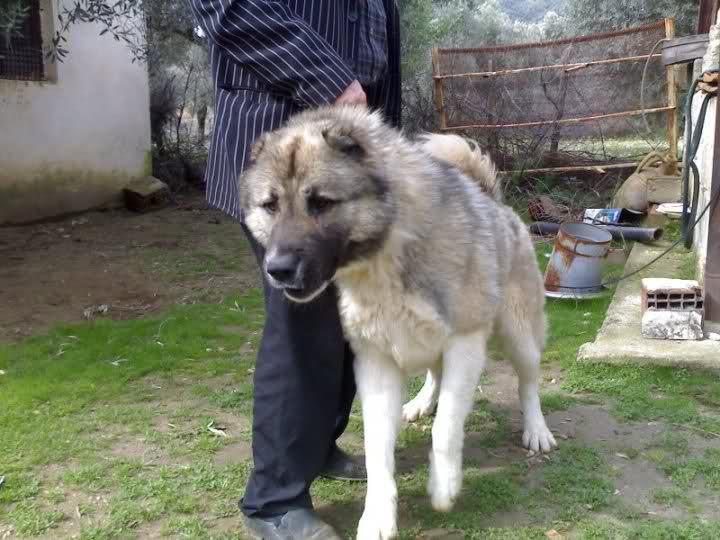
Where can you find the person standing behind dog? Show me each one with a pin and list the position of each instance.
(271, 59)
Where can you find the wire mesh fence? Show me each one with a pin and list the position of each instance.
(566, 103)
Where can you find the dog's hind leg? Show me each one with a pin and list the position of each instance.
(463, 362)
(522, 331)
(424, 403)
(380, 385)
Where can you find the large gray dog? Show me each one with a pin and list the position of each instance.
(428, 263)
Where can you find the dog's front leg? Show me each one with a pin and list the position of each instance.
(379, 383)
(463, 362)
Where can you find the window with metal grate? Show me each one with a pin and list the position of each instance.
(21, 56)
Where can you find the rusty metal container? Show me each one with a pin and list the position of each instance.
(576, 263)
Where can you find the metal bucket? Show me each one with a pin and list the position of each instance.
(576, 263)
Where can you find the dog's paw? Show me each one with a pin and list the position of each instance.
(378, 523)
(418, 407)
(538, 438)
(443, 487)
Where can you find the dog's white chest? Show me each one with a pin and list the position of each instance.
(406, 328)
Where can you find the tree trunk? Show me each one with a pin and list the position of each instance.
(560, 110)
(202, 118)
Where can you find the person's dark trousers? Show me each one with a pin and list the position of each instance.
(304, 389)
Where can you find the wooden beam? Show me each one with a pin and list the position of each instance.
(684, 49)
(566, 67)
(563, 121)
(672, 97)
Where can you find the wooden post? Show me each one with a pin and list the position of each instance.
(439, 97)
(706, 15)
(672, 119)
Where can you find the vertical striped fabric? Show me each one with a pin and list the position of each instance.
(272, 58)
(371, 30)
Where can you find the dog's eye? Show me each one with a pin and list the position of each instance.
(271, 205)
(318, 203)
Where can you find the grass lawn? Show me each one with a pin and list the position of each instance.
(141, 429)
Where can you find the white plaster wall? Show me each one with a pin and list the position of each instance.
(89, 129)
(703, 159)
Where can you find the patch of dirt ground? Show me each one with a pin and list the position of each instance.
(624, 447)
(118, 264)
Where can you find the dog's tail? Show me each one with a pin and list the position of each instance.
(467, 156)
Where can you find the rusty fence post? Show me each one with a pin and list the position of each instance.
(438, 91)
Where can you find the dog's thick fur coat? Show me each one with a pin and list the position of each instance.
(428, 264)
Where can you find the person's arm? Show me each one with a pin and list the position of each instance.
(279, 47)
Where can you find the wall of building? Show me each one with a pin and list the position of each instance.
(704, 160)
(704, 157)
(72, 142)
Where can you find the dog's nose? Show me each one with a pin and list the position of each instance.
(283, 268)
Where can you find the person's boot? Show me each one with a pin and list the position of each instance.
(341, 466)
(300, 524)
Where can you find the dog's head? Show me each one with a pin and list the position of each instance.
(316, 197)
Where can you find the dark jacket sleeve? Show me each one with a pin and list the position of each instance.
(278, 46)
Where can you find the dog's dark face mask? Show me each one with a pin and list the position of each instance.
(316, 201)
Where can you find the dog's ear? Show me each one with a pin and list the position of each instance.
(257, 146)
(344, 141)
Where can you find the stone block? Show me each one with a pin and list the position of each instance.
(147, 193)
(676, 325)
